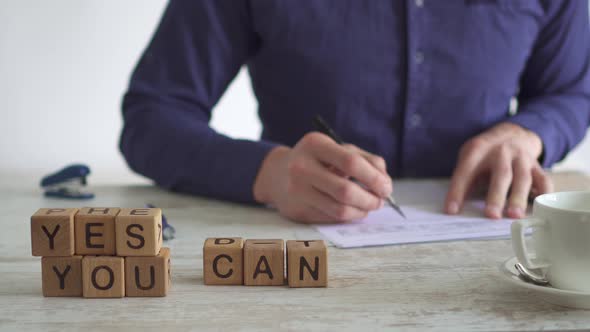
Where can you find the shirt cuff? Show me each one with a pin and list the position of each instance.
(540, 124)
(232, 167)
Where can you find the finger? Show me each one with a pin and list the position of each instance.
(307, 214)
(501, 177)
(339, 188)
(542, 183)
(520, 189)
(462, 180)
(327, 205)
(354, 165)
(309, 196)
(374, 159)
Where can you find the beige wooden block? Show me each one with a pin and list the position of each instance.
(223, 261)
(148, 276)
(62, 276)
(103, 276)
(52, 232)
(264, 263)
(307, 263)
(139, 232)
(95, 231)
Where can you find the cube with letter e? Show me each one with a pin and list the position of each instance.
(95, 231)
(139, 232)
(307, 263)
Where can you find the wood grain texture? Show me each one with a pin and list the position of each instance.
(95, 231)
(52, 232)
(61, 276)
(307, 263)
(264, 262)
(148, 276)
(223, 261)
(139, 231)
(450, 286)
(103, 276)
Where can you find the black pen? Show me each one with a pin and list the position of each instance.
(322, 127)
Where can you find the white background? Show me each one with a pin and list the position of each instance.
(64, 66)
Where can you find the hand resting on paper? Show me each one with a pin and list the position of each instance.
(505, 156)
(310, 182)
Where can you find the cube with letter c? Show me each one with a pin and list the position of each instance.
(223, 261)
(139, 232)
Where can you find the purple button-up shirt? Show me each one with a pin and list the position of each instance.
(408, 80)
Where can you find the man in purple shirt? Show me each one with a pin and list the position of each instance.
(421, 87)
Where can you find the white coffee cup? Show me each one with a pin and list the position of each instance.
(560, 239)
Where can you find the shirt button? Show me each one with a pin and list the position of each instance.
(419, 57)
(419, 3)
(415, 121)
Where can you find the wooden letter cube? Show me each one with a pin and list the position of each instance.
(95, 231)
(223, 261)
(264, 263)
(307, 263)
(148, 276)
(52, 232)
(62, 276)
(139, 232)
(103, 276)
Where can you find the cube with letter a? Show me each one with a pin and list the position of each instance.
(223, 261)
(264, 263)
(52, 232)
(307, 263)
(95, 231)
(139, 232)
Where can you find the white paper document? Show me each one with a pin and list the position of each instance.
(424, 224)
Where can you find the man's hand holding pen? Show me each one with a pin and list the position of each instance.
(311, 182)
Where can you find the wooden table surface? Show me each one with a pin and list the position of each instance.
(440, 286)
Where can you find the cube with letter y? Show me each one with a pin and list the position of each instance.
(264, 263)
(52, 232)
(62, 276)
(103, 276)
(139, 232)
(307, 263)
(95, 231)
(148, 276)
(223, 261)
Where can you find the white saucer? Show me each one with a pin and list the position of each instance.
(550, 294)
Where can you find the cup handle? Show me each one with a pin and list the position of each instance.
(517, 230)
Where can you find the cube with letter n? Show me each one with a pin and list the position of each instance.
(139, 232)
(307, 263)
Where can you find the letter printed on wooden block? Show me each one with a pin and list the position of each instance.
(307, 263)
(95, 231)
(148, 276)
(52, 232)
(223, 261)
(139, 232)
(103, 276)
(264, 263)
(62, 276)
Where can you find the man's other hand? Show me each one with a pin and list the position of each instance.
(505, 156)
(311, 182)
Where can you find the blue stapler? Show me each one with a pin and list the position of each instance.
(168, 232)
(67, 183)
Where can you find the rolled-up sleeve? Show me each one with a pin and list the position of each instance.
(196, 51)
(554, 98)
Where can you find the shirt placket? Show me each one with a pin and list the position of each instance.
(413, 127)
